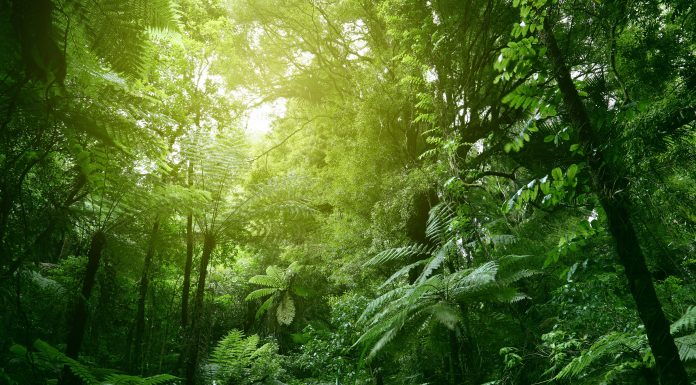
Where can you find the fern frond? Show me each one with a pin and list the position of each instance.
(398, 253)
(267, 280)
(437, 260)
(686, 323)
(467, 281)
(687, 347)
(285, 312)
(446, 314)
(500, 240)
(380, 302)
(264, 307)
(608, 345)
(439, 220)
(516, 276)
(54, 355)
(384, 340)
(256, 294)
(402, 272)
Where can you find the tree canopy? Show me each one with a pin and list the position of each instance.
(347, 192)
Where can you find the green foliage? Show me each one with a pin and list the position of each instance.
(122, 379)
(608, 346)
(416, 165)
(55, 356)
(239, 360)
(45, 356)
(686, 343)
(325, 354)
(439, 294)
(282, 285)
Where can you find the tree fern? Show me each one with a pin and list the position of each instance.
(117, 31)
(435, 297)
(280, 284)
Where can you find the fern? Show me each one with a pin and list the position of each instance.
(436, 260)
(439, 219)
(117, 31)
(686, 323)
(89, 375)
(51, 354)
(124, 379)
(434, 299)
(468, 281)
(286, 310)
(610, 345)
(260, 293)
(687, 347)
(402, 272)
(686, 344)
(279, 284)
(239, 360)
(398, 253)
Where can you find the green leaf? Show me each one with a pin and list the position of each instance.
(264, 307)
(557, 174)
(285, 312)
(572, 171)
(267, 280)
(260, 293)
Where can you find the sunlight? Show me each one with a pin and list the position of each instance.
(259, 120)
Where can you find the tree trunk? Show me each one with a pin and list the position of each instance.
(613, 194)
(187, 271)
(137, 359)
(455, 368)
(79, 317)
(189, 259)
(191, 364)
